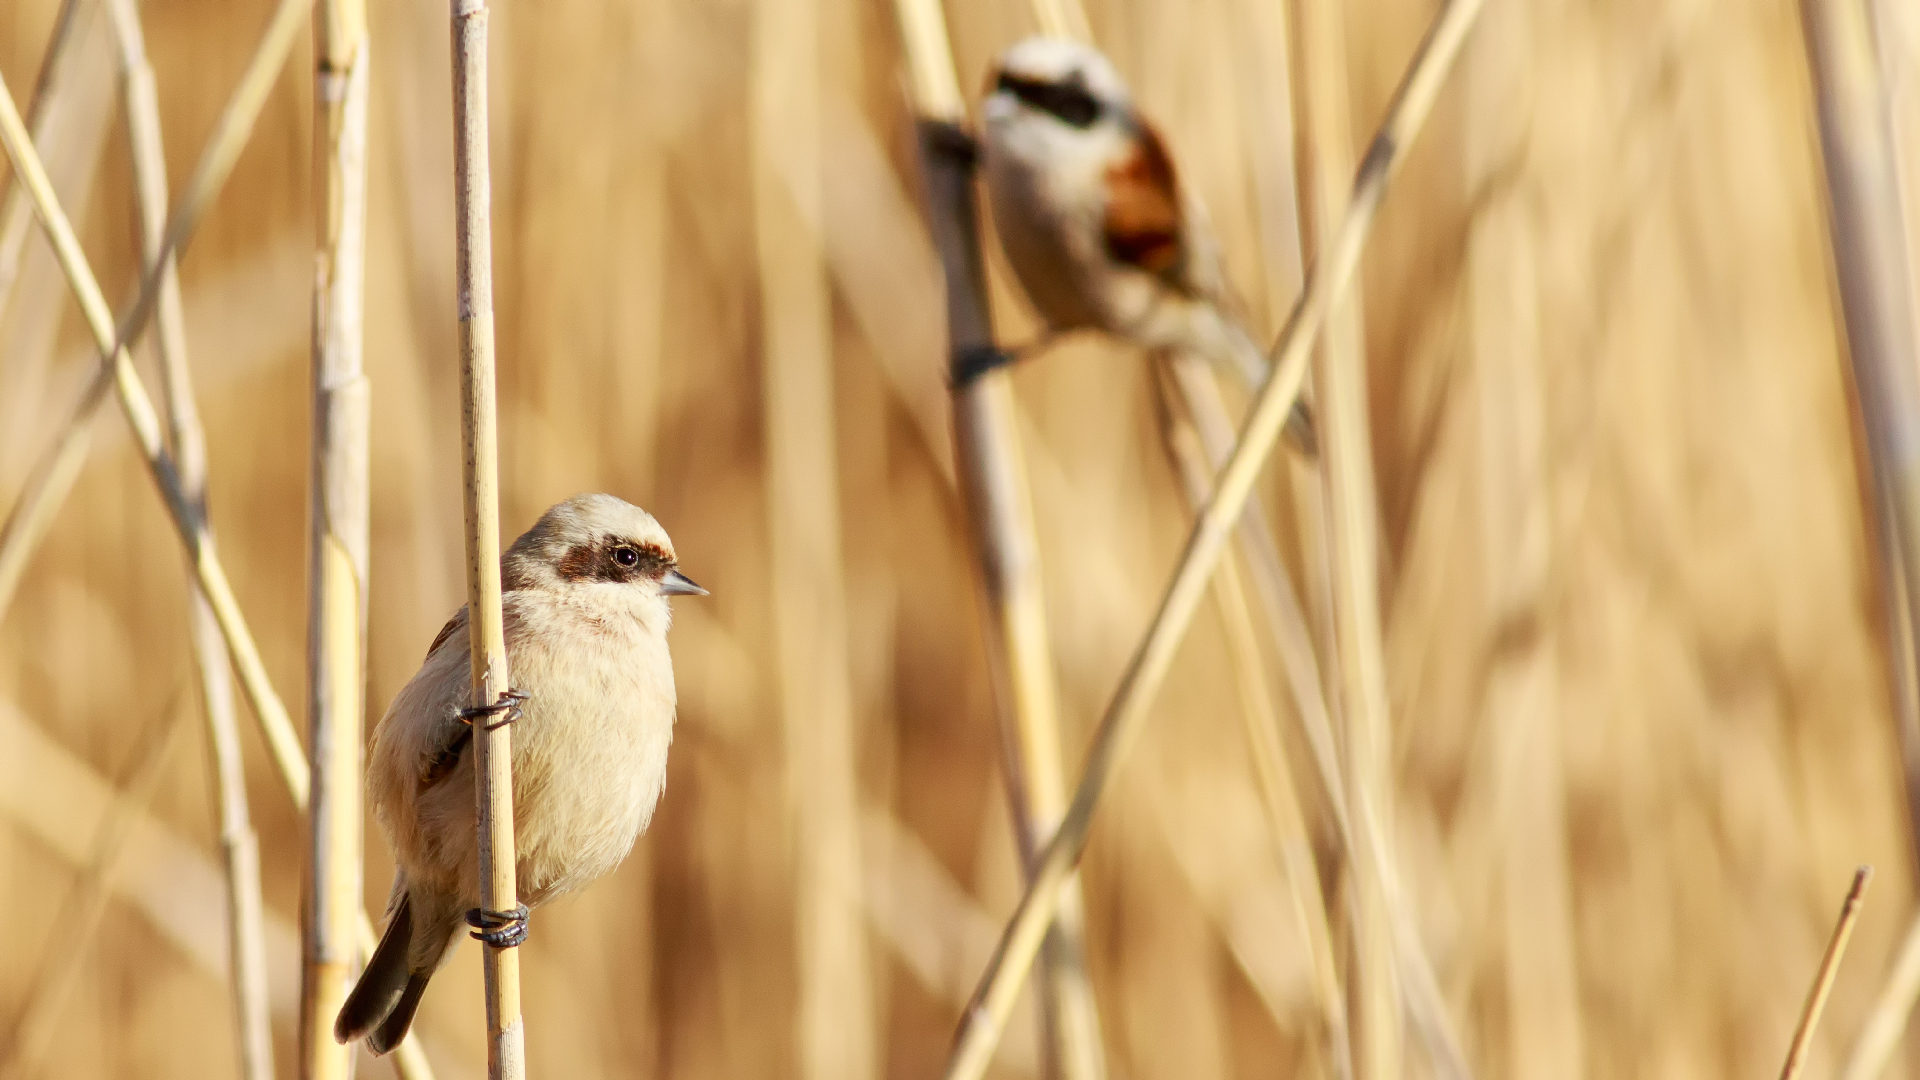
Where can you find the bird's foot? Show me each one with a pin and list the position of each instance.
(500, 929)
(509, 705)
(969, 364)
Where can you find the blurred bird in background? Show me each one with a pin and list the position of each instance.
(1093, 219)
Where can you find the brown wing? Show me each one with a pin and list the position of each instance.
(459, 620)
(444, 762)
(1142, 225)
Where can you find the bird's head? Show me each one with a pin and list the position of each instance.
(600, 543)
(1057, 92)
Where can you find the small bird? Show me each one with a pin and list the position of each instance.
(584, 595)
(1092, 217)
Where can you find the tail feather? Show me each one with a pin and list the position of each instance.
(385, 985)
(1239, 354)
(394, 1027)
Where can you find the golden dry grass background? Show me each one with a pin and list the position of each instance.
(1635, 647)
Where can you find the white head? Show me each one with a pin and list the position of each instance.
(1051, 96)
(601, 543)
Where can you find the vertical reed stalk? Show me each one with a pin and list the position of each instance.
(1267, 67)
(835, 1024)
(1903, 677)
(1000, 983)
(492, 741)
(209, 574)
(1206, 410)
(1351, 529)
(338, 510)
(1186, 432)
(52, 477)
(1868, 224)
(246, 930)
(993, 483)
(145, 421)
(1823, 977)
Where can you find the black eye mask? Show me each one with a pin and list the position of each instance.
(1068, 101)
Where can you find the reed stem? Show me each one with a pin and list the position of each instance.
(338, 511)
(246, 929)
(1823, 978)
(282, 744)
(138, 407)
(1189, 419)
(52, 477)
(994, 488)
(492, 742)
(1868, 222)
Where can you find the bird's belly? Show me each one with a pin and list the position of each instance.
(580, 801)
(1039, 238)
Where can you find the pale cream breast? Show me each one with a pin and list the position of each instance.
(589, 751)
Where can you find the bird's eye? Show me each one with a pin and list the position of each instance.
(626, 556)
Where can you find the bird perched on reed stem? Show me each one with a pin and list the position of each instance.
(584, 598)
(1094, 221)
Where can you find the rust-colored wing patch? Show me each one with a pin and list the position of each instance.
(1142, 225)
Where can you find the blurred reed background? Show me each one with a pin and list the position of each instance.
(1639, 681)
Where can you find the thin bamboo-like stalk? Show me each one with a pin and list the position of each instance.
(246, 930)
(65, 948)
(999, 985)
(138, 406)
(338, 510)
(52, 477)
(1272, 774)
(1880, 1036)
(1425, 1005)
(492, 742)
(999, 502)
(1903, 677)
(290, 760)
(1868, 223)
(1823, 978)
(15, 212)
(1350, 527)
(1199, 393)
(834, 1021)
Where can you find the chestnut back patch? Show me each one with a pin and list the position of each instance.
(1143, 225)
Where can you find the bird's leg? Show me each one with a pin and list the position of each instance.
(500, 929)
(509, 704)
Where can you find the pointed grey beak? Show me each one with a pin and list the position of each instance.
(679, 584)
